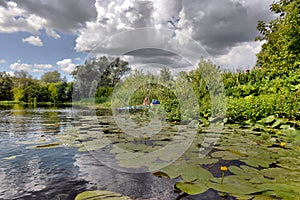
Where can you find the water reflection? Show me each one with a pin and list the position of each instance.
(28, 173)
(21, 178)
(136, 185)
(59, 173)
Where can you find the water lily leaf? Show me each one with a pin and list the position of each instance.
(191, 188)
(267, 120)
(100, 195)
(207, 161)
(256, 162)
(93, 145)
(277, 123)
(225, 155)
(235, 185)
(191, 173)
(263, 197)
(285, 126)
(285, 191)
(236, 170)
(47, 146)
(173, 171)
(281, 174)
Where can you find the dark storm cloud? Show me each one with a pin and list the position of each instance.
(156, 58)
(3, 3)
(66, 15)
(224, 23)
(150, 52)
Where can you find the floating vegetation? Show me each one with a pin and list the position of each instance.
(100, 195)
(262, 159)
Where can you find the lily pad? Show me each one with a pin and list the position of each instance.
(47, 146)
(192, 173)
(226, 155)
(191, 188)
(235, 185)
(100, 195)
(267, 120)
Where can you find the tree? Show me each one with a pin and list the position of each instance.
(280, 53)
(51, 77)
(165, 75)
(104, 71)
(6, 85)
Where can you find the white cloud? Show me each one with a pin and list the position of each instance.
(52, 33)
(18, 66)
(11, 73)
(66, 65)
(222, 27)
(43, 66)
(14, 19)
(2, 61)
(219, 26)
(30, 68)
(36, 41)
(241, 56)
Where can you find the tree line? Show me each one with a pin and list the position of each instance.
(271, 88)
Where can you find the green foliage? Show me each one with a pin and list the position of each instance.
(280, 53)
(51, 77)
(97, 72)
(6, 85)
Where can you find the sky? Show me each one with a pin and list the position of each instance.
(40, 36)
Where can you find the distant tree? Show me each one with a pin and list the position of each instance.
(98, 72)
(22, 79)
(6, 86)
(165, 75)
(280, 53)
(51, 77)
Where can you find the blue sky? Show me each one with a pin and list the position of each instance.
(39, 36)
(13, 50)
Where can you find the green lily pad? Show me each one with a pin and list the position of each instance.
(207, 161)
(267, 120)
(277, 123)
(100, 195)
(285, 191)
(285, 126)
(235, 185)
(93, 145)
(47, 146)
(191, 173)
(191, 188)
(226, 155)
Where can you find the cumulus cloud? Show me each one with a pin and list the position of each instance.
(36, 41)
(216, 25)
(116, 27)
(31, 68)
(2, 61)
(66, 65)
(67, 15)
(18, 66)
(42, 66)
(15, 19)
(240, 55)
